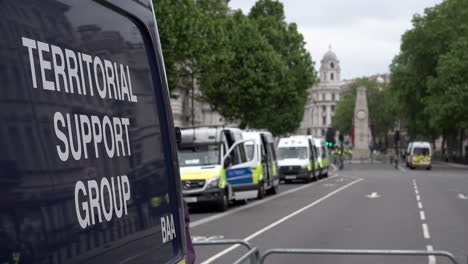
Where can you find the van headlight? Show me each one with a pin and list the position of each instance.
(212, 182)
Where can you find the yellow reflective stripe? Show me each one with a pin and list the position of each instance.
(222, 178)
(309, 166)
(156, 201)
(274, 169)
(257, 173)
(197, 175)
(182, 262)
(420, 158)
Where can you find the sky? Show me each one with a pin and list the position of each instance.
(364, 34)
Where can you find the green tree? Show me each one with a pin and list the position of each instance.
(190, 32)
(416, 68)
(249, 77)
(289, 45)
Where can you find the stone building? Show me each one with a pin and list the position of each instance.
(323, 97)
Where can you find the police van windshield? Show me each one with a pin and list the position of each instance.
(421, 151)
(199, 155)
(292, 153)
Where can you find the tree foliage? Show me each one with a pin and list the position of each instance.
(428, 76)
(252, 69)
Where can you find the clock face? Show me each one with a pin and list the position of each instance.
(361, 114)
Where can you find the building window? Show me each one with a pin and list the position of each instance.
(324, 108)
(333, 108)
(332, 76)
(332, 65)
(333, 97)
(324, 120)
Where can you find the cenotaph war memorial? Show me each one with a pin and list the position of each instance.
(361, 126)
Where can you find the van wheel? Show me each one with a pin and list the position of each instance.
(273, 190)
(261, 190)
(223, 202)
(428, 168)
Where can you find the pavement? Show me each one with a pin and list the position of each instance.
(364, 206)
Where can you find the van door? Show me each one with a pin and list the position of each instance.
(266, 160)
(312, 159)
(238, 172)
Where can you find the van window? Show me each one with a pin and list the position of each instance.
(84, 171)
(324, 153)
(272, 151)
(199, 155)
(421, 151)
(292, 153)
(250, 150)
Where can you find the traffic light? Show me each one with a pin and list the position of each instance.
(341, 139)
(330, 137)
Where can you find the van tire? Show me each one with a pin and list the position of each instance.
(223, 203)
(273, 190)
(261, 190)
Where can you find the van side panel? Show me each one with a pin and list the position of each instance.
(88, 167)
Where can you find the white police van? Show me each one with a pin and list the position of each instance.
(214, 166)
(296, 159)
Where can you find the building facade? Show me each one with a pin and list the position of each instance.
(323, 97)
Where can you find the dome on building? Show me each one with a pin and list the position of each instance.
(330, 55)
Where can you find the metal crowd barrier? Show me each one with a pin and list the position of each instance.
(362, 252)
(252, 253)
(255, 257)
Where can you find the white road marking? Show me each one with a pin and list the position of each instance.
(422, 215)
(416, 191)
(402, 169)
(250, 205)
(462, 196)
(420, 205)
(432, 259)
(426, 231)
(373, 195)
(418, 197)
(329, 185)
(263, 230)
(204, 238)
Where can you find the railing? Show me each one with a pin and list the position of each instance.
(362, 252)
(254, 255)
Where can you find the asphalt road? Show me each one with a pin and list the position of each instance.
(364, 206)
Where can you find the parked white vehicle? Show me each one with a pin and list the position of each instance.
(419, 155)
(296, 159)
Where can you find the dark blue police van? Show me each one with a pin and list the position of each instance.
(88, 162)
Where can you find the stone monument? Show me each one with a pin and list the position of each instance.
(361, 126)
